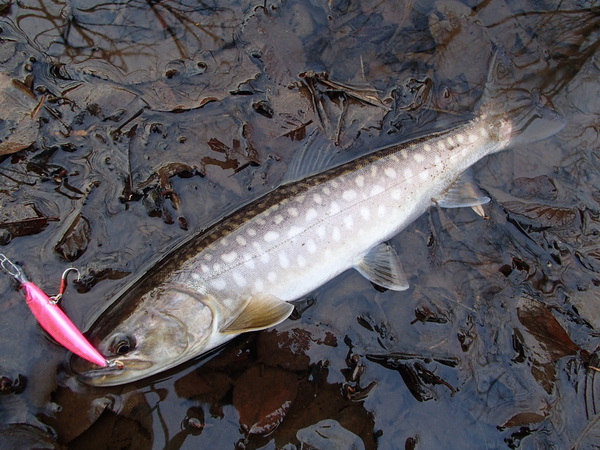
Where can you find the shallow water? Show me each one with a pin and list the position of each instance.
(135, 124)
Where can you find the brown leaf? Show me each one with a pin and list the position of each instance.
(544, 216)
(541, 323)
(263, 396)
(76, 239)
(18, 129)
(523, 419)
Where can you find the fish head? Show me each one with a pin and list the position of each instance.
(164, 328)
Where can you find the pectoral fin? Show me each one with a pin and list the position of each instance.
(462, 193)
(382, 266)
(260, 312)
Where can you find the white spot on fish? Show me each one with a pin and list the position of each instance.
(318, 199)
(196, 276)
(427, 148)
(208, 257)
(396, 194)
(278, 219)
(250, 263)
(389, 172)
(321, 232)
(311, 214)
(335, 184)
(271, 236)
(395, 158)
(225, 242)
(348, 222)
(301, 261)
(326, 190)
(360, 181)
(218, 284)
(336, 235)
(418, 157)
(408, 173)
(472, 138)
(381, 210)
(204, 268)
(272, 277)
(484, 133)
(441, 145)
(438, 160)
(251, 232)
(365, 213)
(300, 198)
(451, 142)
(349, 195)
(284, 261)
(260, 221)
(404, 154)
(217, 267)
(460, 138)
(376, 190)
(259, 285)
(229, 257)
(293, 212)
(311, 246)
(240, 240)
(265, 258)
(335, 208)
(424, 175)
(239, 279)
(374, 170)
(294, 231)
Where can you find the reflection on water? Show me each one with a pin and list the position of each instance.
(146, 121)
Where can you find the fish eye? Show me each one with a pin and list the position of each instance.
(122, 344)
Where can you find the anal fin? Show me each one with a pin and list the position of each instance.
(382, 267)
(260, 312)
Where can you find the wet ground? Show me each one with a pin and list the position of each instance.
(126, 127)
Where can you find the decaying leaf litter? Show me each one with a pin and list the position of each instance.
(164, 127)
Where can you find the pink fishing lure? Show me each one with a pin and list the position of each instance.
(53, 319)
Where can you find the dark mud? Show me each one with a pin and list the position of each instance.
(126, 127)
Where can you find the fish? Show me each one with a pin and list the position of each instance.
(242, 273)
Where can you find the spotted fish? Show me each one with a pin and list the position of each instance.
(241, 275)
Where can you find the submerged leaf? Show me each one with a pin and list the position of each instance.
(263, 397)
(18, 127)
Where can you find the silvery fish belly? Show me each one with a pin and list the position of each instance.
(240, 275)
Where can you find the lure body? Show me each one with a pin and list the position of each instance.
(51, 317)
(58, 325)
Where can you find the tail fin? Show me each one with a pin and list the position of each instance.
(531, 113)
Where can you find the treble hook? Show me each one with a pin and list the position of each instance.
(63, 285)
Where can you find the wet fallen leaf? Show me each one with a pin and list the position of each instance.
(522, 419)
(538, 187)
(205, 385)
(290, 349)
(328, 434)
(550, 340)
(76, 239)
(541, 215)
(18, 129)
(23, 220)
(22, 435)
(263, 396)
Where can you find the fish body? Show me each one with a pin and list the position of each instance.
(240, 275)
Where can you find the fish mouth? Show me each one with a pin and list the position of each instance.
(116, 372)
